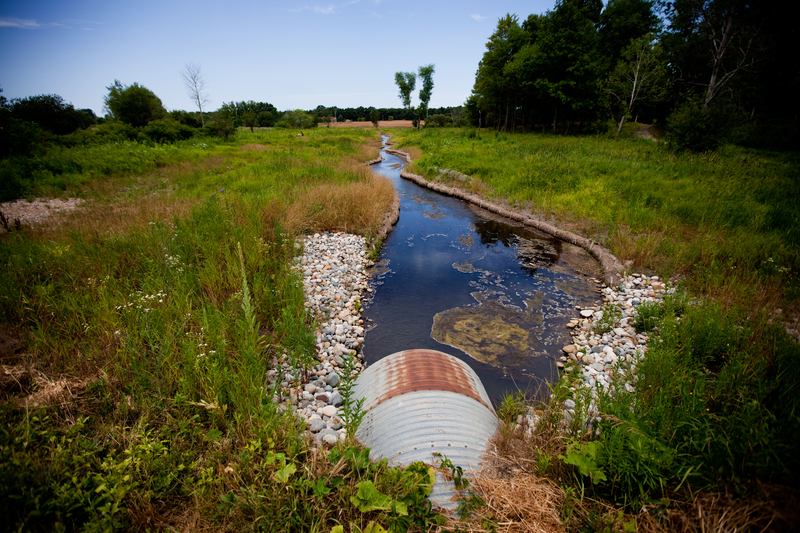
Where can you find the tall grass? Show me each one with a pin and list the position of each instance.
(151, 318)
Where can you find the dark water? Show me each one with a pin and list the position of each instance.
(458, 279)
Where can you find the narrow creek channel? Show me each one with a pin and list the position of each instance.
(458, 279)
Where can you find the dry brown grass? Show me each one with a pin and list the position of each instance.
(357, 207)
(118, 217)
(523, 503)
(413, 152)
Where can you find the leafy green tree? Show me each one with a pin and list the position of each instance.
(52, 113)
(641, 74)
(297, 119)
(426, 76)
(495, 90)
(250, 119)
(622, 21)
(375, 116)
(135, 105)
(222, 125)
(569, 69)
(406, 83)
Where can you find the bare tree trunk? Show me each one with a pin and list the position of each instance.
(555, 118)
(621, 122)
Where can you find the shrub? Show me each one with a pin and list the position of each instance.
(167, 131)
(694, 129)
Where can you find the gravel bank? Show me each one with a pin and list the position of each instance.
(333, 266)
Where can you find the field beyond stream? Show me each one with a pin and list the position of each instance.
(137, 329)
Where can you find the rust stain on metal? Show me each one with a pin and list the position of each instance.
(428, 370)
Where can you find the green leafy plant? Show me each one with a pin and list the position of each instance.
(584, 456)
(468, 501)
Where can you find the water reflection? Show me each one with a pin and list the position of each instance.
(455, 278)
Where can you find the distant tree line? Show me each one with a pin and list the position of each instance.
(386, 113)
(706, 69)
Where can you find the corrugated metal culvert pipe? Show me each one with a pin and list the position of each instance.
(422, 402)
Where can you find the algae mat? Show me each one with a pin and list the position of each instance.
(491, 332)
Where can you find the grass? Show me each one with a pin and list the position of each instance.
(149, 320)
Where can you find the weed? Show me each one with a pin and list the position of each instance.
(352, 410)
(512, 406)
(609, 318)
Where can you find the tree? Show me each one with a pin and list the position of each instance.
(640, 74)
(729, 31)
(426, 75)
(52, 113)
(195, 86)
(135, 105)
(494, 89)
(622, 21)
(406, 83)
(375, 116)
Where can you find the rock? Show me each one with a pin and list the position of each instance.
(335, 399)
(330, 411)
(569, 348)
(329, 436)
(569, 403)
(310, 388)
(586, 313)
(332, 379)
(316, 425)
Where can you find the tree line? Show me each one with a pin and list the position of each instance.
(707, 70)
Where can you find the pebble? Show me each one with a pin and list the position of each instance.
(333, 266)
(603, 359)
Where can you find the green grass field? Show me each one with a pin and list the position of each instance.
(141, 400)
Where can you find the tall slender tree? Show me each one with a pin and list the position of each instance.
(195, 85)
(406, 83)
(640, 74)
(426, 76)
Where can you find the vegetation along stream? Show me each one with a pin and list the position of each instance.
(458, 279)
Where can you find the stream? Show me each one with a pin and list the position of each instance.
(456, 278)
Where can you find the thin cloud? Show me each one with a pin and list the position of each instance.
(328, 9)
(477, 17)
(19, 23)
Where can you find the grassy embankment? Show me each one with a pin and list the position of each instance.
(138, 332)
(717, 401)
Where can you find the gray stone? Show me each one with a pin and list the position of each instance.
(329, 436)
(317, 425)
(335, 399)
(332, 379)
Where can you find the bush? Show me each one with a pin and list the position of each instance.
(221, 125)
(297, 119)
(167, 131)
(437, 120)
(695, 129)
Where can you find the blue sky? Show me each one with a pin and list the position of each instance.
(293, 54)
